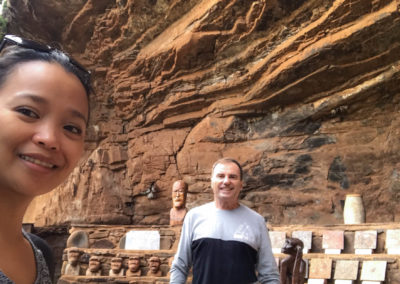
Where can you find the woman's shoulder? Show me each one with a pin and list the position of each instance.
(44, 258)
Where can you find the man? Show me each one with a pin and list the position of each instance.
(178, 210)
(224, 241)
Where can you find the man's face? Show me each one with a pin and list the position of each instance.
(133, 265)
(178, 195)
(226, 183)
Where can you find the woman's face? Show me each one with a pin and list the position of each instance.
(43, 114)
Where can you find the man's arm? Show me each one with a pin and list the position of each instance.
(183, 257)
(266, 267)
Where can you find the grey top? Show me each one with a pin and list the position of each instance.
(42, 276)
(207, 230)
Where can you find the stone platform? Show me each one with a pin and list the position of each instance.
(316, 258)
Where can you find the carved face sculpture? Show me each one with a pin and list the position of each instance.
(154, 264)
(133, 264)
(94, 264)
(116, 264)
(73, 257)
(292, 245)
(179, 192)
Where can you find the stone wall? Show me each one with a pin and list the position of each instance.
(303, 93)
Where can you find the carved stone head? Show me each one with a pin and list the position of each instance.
(73, 255)
(134, 263)
(154, 264)
(94, 263)
(116, 264)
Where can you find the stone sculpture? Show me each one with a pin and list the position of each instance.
(178, 210)
(72, 267)
(293, 267)
(94, 268)
(154, 267)
(116, 267)
(134, 266)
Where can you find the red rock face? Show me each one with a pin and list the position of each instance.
(305, 96)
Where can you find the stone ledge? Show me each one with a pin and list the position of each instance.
(106, 279)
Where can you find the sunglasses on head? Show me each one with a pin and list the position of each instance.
(26, 43)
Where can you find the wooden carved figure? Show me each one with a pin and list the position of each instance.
(94, 268)
(178, 210)
(293, 267)
(72, 267)
(154, 265)
(116, 267)
(133, 267)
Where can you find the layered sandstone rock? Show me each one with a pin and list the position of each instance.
(303, 93)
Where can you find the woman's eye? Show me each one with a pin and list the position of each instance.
(27, 112)
(73, 129)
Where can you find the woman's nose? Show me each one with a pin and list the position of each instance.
(47, 137)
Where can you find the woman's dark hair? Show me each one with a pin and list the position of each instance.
(12, 56)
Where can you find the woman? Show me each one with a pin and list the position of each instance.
(44, 110)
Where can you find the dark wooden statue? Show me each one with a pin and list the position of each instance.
(293, 267)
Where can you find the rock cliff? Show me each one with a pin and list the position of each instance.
(305, 94)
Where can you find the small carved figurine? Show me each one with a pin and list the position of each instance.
(116, 267)
(154, 265)
(178, 210)
(94, 266)
(134, 266)
(293, 267)
(72, 267)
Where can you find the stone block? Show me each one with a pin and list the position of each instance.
(343, 281)
(333, 251)
(305, 237)
(393, 241)
(278, 239)
(333, 240)
(346, 270)
(373, 270)
(317, 281)
(363, 251)
(142, 240)
(365, 239)
(78, 239)
(320, 268)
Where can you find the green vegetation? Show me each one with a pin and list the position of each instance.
(3, 26)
